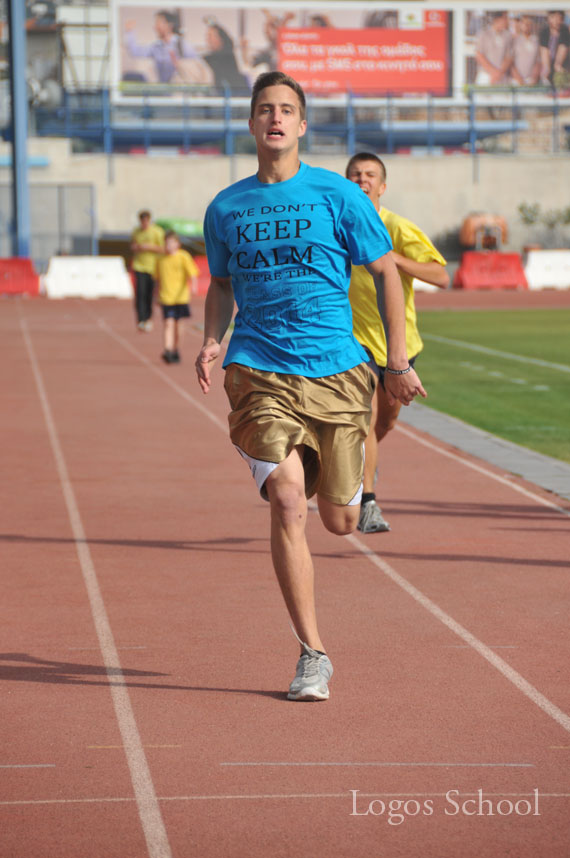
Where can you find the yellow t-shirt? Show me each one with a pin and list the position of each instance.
(145, 260)
(408, 240)
(174, 269)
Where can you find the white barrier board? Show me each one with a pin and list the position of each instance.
(548, 269)
(422, 286)
(88, 277)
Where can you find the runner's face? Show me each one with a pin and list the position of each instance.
(368, 176)
(276, 123)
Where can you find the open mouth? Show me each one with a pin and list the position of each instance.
(275, 133)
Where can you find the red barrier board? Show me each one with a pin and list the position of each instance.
(372, 60)
(203, 276)
(18, 276)
(490, 270)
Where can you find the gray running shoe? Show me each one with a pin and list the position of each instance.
(314, 669)
(371, 520)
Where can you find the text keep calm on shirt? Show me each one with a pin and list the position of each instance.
(288, 248)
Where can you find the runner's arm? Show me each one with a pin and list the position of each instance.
(431, 272)
(218, 315)
(390, 297)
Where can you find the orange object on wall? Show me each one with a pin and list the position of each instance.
(489, 269)
(18, 276)
(483, 230)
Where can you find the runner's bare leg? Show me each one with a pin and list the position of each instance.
(291, 557)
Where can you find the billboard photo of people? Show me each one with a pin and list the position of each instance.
(164, 47)
(526, 48)
(163, 50)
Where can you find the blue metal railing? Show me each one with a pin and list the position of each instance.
(112, 121)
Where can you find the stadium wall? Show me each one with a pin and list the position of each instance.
(437, 192)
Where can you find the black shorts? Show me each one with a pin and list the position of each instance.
(176, 311)
(380, 370)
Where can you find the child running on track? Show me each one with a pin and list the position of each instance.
(415, 256)
(281, 242)
(177, 275)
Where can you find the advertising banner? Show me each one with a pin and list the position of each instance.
(439, 48)
(410, 59)
(330, 50)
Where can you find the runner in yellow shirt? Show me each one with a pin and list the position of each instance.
(147, 245)
(415, 256)
(177, 277)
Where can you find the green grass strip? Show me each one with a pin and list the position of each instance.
(507, 372)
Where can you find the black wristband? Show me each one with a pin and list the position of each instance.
(399, 371)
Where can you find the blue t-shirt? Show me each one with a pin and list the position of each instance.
(288, 248)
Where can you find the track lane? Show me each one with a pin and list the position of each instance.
(181, 546)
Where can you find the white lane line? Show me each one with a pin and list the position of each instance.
(345, 794)
(496, 353)
(294, 795)
(163, 375)
(120, 747)
(525, 687)
(27, 766)
(148, 808)
(495, 660)
(389, 764)
(481, 470)
(465, 646)
(497, 374)
(96, 648)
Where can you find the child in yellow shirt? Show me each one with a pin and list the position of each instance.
(177, 276)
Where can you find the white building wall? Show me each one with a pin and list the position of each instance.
(435, 192)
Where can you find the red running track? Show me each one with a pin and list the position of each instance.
(146, 652)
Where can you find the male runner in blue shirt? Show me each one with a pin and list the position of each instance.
(282, 242)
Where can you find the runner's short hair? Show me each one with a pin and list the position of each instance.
(366, 156)
(277, 78)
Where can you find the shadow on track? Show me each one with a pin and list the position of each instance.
(167, 544)
(28, 668)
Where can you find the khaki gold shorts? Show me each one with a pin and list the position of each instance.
(272, 413)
